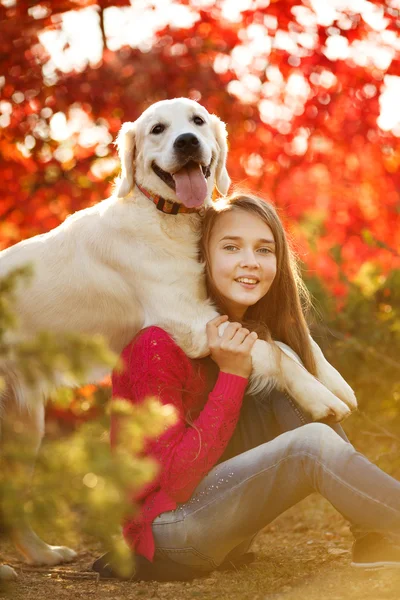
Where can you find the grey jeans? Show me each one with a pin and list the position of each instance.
(262, 473)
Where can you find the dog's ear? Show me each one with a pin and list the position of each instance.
(125, 143)
(222, 178)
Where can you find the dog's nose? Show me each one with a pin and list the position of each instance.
(186, 142)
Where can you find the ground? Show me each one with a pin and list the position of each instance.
(303, 555)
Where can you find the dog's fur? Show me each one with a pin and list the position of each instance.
(122, 265)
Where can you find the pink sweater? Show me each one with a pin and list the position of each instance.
(156, 366)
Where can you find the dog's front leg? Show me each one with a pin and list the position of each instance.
(273, 366)
(331, 378)
(22, 432)
(190, 332)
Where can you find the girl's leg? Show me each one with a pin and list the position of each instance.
(262, 418)
(242, 495)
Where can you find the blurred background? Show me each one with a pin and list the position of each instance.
(310, 92)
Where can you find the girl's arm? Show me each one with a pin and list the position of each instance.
(156, 366)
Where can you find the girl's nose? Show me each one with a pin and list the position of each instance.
(249, 259)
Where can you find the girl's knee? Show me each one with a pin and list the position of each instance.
(314, 437)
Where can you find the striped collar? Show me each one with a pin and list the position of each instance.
(166, 206)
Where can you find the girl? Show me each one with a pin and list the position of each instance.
(231, 464)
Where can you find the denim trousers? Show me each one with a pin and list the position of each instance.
(274, 459)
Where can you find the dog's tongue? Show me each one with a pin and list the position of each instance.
(190, 185)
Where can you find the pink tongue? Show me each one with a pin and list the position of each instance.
(190, 185)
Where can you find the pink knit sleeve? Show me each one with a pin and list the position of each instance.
(156, 366)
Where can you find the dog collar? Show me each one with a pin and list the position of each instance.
(166, 206)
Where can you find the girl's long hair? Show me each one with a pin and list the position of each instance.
(280, 315)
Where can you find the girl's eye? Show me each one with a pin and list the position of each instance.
(265, 250)
(157, 129)
(229, 247)
(198, 120)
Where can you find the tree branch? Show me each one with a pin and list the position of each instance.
(102, 29)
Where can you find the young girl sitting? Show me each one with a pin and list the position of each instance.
(232, 463)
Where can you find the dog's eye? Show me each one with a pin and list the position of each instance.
(198, 120)
(157, 129)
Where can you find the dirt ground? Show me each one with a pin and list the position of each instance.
(303, 555)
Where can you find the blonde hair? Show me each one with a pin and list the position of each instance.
(280, 314)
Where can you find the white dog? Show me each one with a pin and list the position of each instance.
(130, 262)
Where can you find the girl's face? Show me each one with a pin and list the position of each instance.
(243, 260)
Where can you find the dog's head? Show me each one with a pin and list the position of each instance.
(175, 149)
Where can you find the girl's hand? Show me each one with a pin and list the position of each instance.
(231, 351)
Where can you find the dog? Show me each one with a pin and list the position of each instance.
(131, 261)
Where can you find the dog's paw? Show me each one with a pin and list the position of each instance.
(316, 399)
(7, 573)
(331, 379)
(66, 553)
(51, 555)
(346, 394)
(329, 407)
